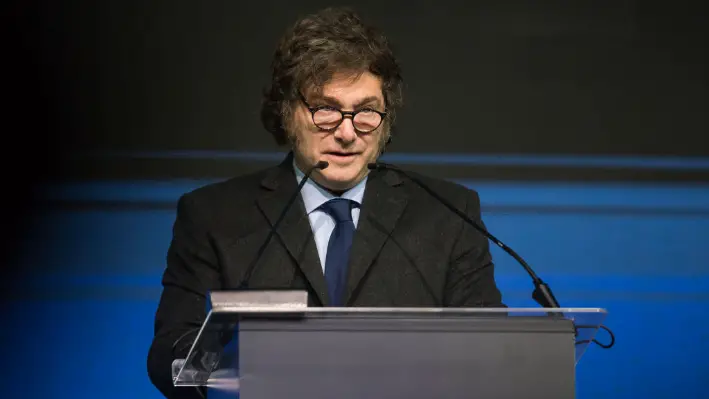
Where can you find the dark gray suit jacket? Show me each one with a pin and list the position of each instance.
(408, 250)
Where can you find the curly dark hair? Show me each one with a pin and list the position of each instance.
(316, 47)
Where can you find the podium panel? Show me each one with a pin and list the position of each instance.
(268, 351)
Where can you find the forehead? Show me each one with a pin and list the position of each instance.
(349, 88)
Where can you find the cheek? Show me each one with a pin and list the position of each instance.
(303, 137)
(374, 141)
(310, 143)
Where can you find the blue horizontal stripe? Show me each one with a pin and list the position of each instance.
(516, 282)
(634, 196)
(135, 190)
(586, 161)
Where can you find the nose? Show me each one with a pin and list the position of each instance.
(345, 133)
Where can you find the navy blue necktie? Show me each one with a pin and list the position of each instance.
(338, 248)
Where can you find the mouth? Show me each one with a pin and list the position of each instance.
(341, 155)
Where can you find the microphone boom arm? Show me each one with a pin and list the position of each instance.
(542, 293)
(249, 270)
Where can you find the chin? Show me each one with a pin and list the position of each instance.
(340, 180)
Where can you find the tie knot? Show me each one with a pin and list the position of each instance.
(339, 208)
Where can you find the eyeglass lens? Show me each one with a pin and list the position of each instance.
(364, 121)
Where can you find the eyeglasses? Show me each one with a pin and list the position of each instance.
(328, 118)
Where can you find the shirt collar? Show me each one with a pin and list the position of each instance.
(314, 195)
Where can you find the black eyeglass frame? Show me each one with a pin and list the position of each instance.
(350, 114)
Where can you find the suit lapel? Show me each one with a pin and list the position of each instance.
(294, 232)
(382, 205)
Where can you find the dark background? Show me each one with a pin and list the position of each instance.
(482, 77)
(582, 124)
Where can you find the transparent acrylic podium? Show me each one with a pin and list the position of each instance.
(270, 344)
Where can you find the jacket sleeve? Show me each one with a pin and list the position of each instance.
(470, 281)
(191, 272)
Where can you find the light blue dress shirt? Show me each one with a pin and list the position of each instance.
(321, 223)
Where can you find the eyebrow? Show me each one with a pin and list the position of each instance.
(364, 101)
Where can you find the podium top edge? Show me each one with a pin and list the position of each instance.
(296, 302)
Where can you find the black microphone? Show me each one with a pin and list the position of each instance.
(249, 271)
(542, 293)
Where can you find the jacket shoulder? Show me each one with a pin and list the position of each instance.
(227, 204)
(232, 190)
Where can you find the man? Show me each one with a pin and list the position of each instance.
(352, 238)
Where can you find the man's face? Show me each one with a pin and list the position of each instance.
(347, 150)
